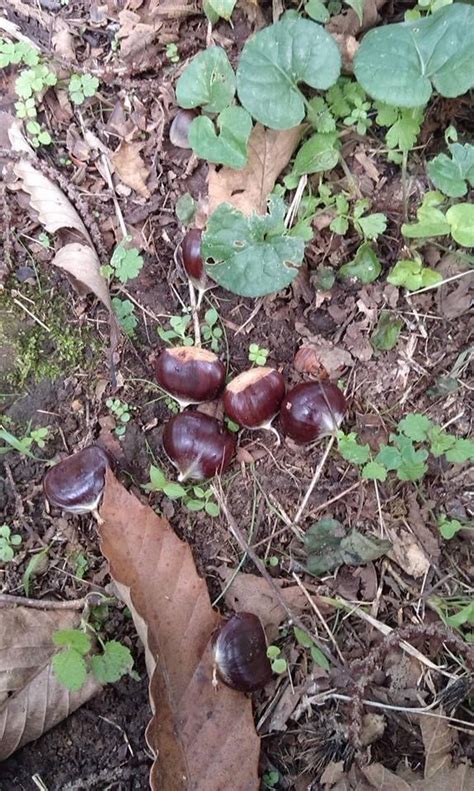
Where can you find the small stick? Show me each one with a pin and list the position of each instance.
(237, 534)
(195, 313)
(314, 607)
(314, 480)
(441, 283)
(7, 599)
(35, 318)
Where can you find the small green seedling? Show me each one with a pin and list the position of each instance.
(8, 543)
(368, 226)
(26, 109)
(317, 655)
(278, 662)
(23, 445)
(172, 52)
(80, 564)
(271, 779)
(210, 332)
(125, 312)
(82, 87)
(233, 427)
(121, 411)
(38, 136)
(125, 264)
(258, 354)
(37, 565)
(195, 498)
(177, 334)
(34, 80)
(14, 52)
(449, 527)
(75, 661)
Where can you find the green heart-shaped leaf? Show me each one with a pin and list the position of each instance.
(401, 64)
(449, 174)
(251, 256)
(230, 146)
(319, 153)
(208, 82)
(461, 221)
(275, 60)
(366, 267)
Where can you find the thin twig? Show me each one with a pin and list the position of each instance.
(314, 607)
(6, 599)
(35, 318)
(440, 283)
(195, 314)
(314, 480)
(237, 534)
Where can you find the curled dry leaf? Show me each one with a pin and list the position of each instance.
(131, 168)
(81, 262)
(348, 21)
(408, 553)
(31, 699)
(155, 574)
(322, 359)
(248, 189)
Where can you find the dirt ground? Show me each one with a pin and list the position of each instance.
(101, 746)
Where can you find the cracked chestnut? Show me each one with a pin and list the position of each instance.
(253, 398)
(190, 374)
(312, 410)
(240, 653)
(198, 445)
(76, 483)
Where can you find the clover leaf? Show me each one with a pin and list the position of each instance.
(251, 256)
(208, 82)
(275, 60)
(230, 146)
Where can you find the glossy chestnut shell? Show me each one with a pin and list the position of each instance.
(198, 445)
(190, 249)
(253, 398)
(179, 129)
(312, 410)
(240, 653)
(76, 483)
(190, 374)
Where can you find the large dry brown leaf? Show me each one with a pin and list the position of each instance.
(204, 737)
(82, 263)
(31, 699)
(248, 189)
(131, 168)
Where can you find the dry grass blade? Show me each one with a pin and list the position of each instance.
(248, 189)
(31, 699)
(205, 737)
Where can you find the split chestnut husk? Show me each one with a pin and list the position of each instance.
(312, 410)
(190, 374)
(76, 483)
(198, 445)
(240, 653)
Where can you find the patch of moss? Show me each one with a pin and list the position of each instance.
(40, 354)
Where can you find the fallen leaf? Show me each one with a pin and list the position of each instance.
(357, 341)
(131, 168)
(81, 262)
(138, 44)
(322, 359)
(155, 574)
(348, 46)
(348, 21)
(248, 189)
(31, 699)
(408, 554)
(438, 739)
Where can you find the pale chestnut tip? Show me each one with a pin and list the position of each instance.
(312, 410)
(198, 445)
(76, 483)
(254, 397)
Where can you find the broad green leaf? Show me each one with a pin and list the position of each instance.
(413, 275)
(462, 451)
(317, 11)
(251, 256)
(365, 267)
(358, 549)
(208, 82)
(389, 457)
(221, 8)
(401, 63)
(323, 540)
(386, 334)
(319, 153)
(440, 441)
(372, 225)
(302, 637)
(113, 663)
(404, 132)
(412, 466)
(466, 615)
(351, 450)
(173, 490)
(73, 638)
(461, 220)
(373, 471)
(70, 669)
(431, 220)
(449, 174)
(157, 480)
(212, 508)
(275, 60)
(358, 7)
(318, 657)
(229, 147)
(415, 426)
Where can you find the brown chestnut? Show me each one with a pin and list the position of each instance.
(312, 410)
(190, 252)
(179, 129)
(190, 374)
(198, 445)
(240, 653)
(76, 483)
(253, 398)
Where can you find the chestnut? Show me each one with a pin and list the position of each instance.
(190, 374)
(190, 252)
(253, 398)
(312, 410)
(198, 445)
(240, 653)
(179, 129)
(76, 483)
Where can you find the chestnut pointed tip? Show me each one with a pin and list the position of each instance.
(312, 410)
(198, 445)
(253, 398)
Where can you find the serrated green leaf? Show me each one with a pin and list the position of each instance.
(461, 222)
(113, 663)
(386, 334)
(415, 426)
(339, 225)
(127, 262)
(373, 471)
(351, 450)
(401, 63)
(413, 275)
(404, 132)
(462, 451)
(229, 147)
(449, 174)
(70, 669)
(73, 638)
(365, 266)
(251, 256)
(412, 466)
(389, 457)
(208, 82)
(173, 490)
(440, 441)
(318, 154)
(275, 60)
(372, 225)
